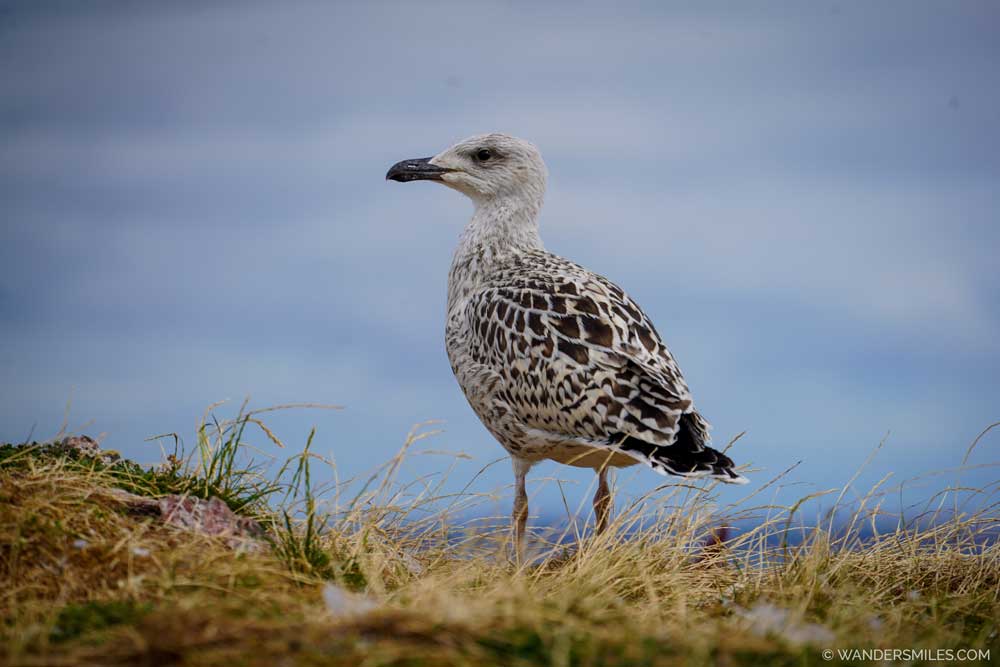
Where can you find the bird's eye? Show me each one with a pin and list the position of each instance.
(484, 154)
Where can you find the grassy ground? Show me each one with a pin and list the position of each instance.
(386, 577)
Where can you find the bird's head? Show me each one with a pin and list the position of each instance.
(486, 167)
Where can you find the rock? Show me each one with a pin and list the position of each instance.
(136, 504)
(211, 517)
(208, 517)
(86, 446)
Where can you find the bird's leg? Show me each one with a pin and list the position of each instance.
(602, 500)
(520, 518)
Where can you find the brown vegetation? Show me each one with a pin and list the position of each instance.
(388, 578)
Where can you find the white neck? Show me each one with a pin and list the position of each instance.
(500, 228)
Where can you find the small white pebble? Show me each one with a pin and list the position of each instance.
(141, 552)
(769, 619)
(340, 602)
(80, 543)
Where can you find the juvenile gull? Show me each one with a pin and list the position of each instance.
(558, 362)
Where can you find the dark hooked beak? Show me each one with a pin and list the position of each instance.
(419, 169)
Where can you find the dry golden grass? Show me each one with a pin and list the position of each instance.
(386, 578)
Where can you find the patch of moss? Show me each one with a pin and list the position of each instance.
(75, 620)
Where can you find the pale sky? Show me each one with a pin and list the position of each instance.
(803, 196)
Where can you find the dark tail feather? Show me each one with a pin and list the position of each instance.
(687, 457)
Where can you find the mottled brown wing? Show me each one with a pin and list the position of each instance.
(576, 355)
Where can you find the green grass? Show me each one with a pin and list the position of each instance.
(76, 619)
(222, 470)
(83, 580)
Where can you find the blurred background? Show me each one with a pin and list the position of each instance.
(803, 196)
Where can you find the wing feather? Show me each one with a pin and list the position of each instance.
(575, 354)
